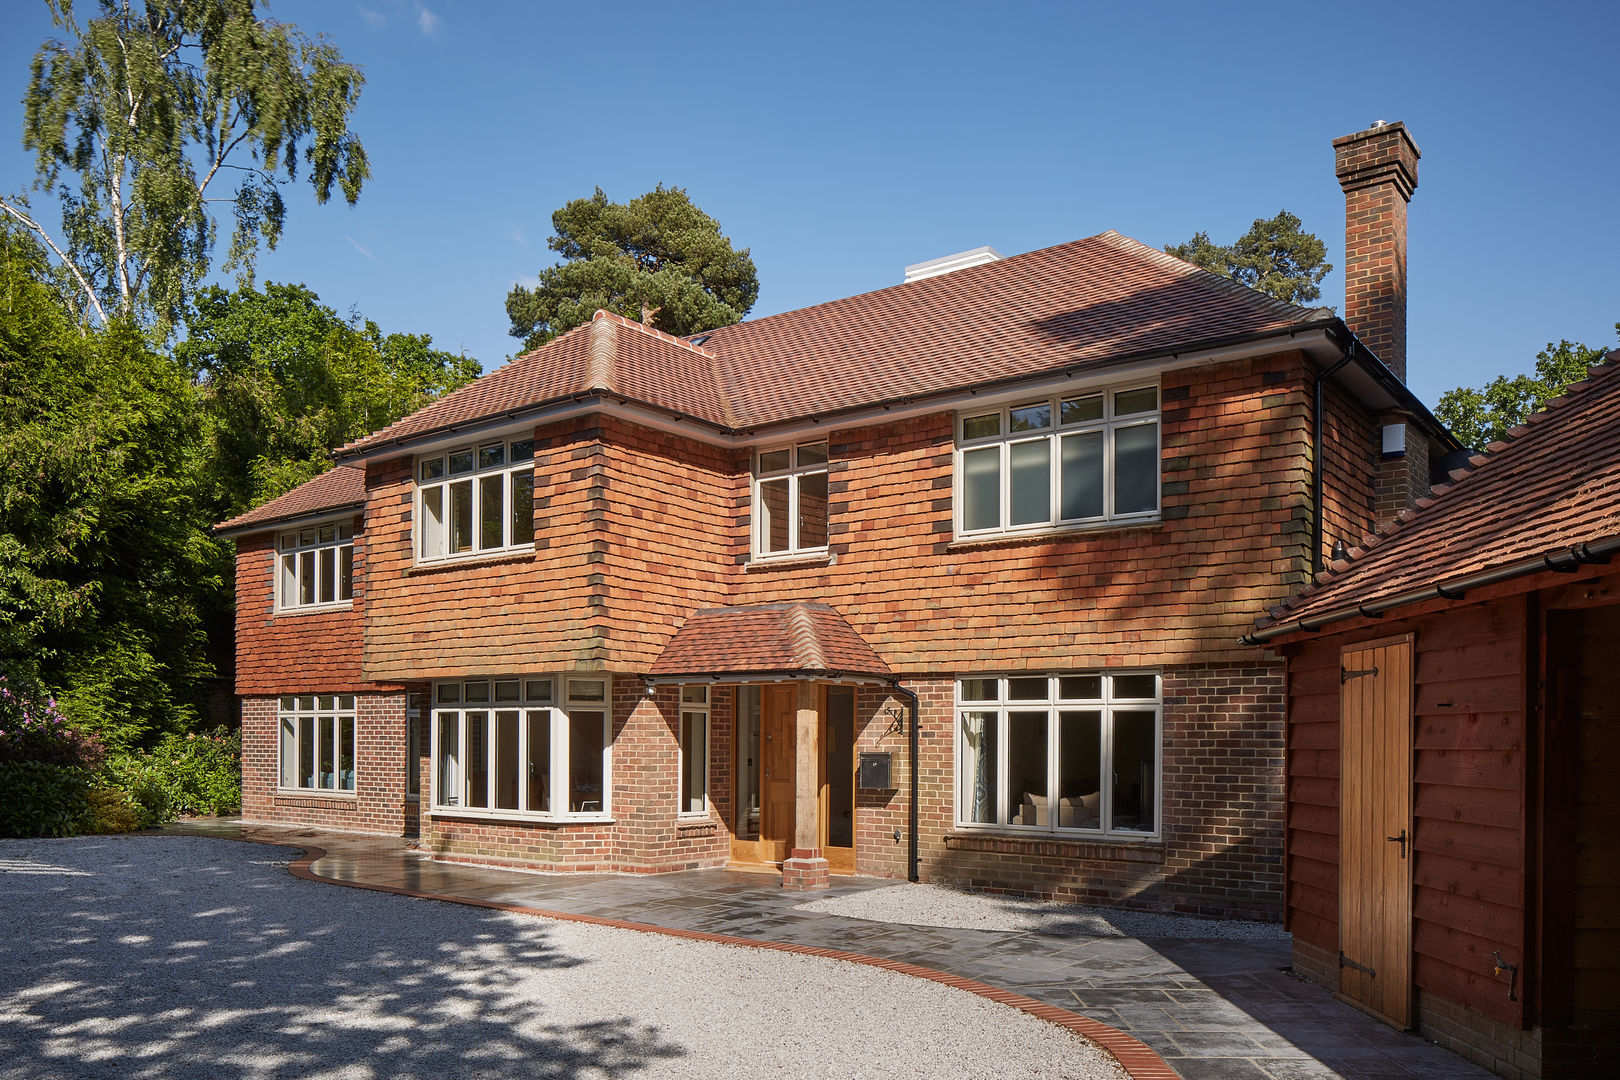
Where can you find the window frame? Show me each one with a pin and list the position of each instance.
(510, 466)
(692, 711)
(292, 545)
(335, 708)
(1053, 433)
(559, 705)
(1107, 705)
(792, 474)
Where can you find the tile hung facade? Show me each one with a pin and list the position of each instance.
(643, 603)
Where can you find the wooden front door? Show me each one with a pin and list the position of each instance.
(779, 714)
(1375, 828)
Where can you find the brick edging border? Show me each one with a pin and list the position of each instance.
(1134, 1056)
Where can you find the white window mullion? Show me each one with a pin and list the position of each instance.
(1053, 800)
(559, 757)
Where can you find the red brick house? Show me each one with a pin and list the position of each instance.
(1452, 732)
(942, 581)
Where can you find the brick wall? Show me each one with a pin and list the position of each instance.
(1378, 169)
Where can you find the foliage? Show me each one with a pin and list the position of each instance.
(658, 252)
(1481, 416)
(110, 810)
(285, 381)
(153, 110)
(107, 574)
(1275, 256)
(31, 729)
(183, 774)
(39, 798)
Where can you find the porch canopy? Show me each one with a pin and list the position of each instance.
(768, 642)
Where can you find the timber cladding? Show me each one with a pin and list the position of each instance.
(1468, 828)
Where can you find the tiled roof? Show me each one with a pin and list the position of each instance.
(337, 487)
(1088, 302)
(792, 638)
(1553, 483)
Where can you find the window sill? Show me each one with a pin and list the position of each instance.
(484, 559)
(547, 820)
(315, 609)
(1055, 531)
(314, 793)
(802, 560)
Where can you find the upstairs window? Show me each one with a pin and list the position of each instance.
(475, 500)
(790, 500)
(317, 566)
(1075, 460)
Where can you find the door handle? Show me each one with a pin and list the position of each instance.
(1401, 840)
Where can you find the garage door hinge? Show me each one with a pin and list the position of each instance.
(1345, 674)
(1345, 961)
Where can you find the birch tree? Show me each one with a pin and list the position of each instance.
(168, 114)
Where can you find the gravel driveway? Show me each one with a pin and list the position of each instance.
(162, 956)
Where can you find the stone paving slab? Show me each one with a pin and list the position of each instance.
(1213, 1010)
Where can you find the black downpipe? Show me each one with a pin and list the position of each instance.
(911, 706)
(1316, 461)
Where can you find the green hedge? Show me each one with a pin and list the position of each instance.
(41, 798)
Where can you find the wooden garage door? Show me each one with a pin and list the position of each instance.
(1375, 827)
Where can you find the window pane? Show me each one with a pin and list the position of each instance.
(432, 522)
(345, 532)
(979, 767)
(745, 804)
(1080, 688)
(306, 538)
(981, 489)
(413, 748)
(585, 761)
(1082, 475)
(491, 511)
(813, 510)
(306, 751)
(306, 703)
(326, 730)
(1079, 410)
(306, 577)
(1136, 686)
(814, 453)
(449, 693)
(981, 427)
(346, 572)
(433, 468)
(773, 460)
(346, 753)
(289, 752)
(287, 704)
(1136, 469)
(1031, 417)
(476, 691)
(1131, 402)
(1026, 768)
(539, 797)
(461, 461)
(587, 690)
(288, 541)
(980, 689)
(1031, 482)
(695, 695)
(522, 450)
(1135, 802)
(773, 515)
(328, 576)
(1079, 769)
(448, 783)
(461, 517)
(491, 456)
(477, 789)
(328, 533)
(289, 580)
(523, 507)
(1027, 688)
(345, 701)
(506, 689)
(537, 690)
(506, 760)
(694, 762)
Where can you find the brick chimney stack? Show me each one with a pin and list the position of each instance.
(1378, 169)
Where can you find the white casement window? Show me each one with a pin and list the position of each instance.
(475, 500)
(790, 500)
(1076, 753)
(317, 567)
(1080, 459)
(694, 764)
(317, 742)
(530, 746)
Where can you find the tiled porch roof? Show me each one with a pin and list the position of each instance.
(803, 639)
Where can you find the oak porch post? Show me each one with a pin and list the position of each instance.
(806, 867)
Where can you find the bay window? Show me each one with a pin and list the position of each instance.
(1072, 460)
(317, 745)
(1060, 753)
(790, 500)
(317, 566)
(522, 746)
(475, 500)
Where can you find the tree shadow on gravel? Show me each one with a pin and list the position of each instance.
(231, 967)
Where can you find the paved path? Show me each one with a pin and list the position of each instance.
(1214, 1010)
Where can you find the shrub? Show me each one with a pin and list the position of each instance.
(42, 798)
(111, 810)
(31, 729)
(183, 774)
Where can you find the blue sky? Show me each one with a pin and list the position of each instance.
(842, 141)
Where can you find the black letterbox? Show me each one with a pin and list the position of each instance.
(874, 770)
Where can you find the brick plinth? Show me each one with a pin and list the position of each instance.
(805, 869)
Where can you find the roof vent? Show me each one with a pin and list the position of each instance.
(960, 261)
